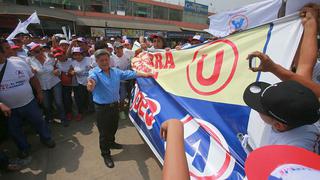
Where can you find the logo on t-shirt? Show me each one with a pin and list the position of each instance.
(20, 74)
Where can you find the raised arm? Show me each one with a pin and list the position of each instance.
(175, 162)
(306, 56)
(267, 65)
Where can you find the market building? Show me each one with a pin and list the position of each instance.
(96, 18)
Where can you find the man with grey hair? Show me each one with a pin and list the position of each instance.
(104, 83)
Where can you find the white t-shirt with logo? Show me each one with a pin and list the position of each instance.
(306, 137)
(123, 62)
(45, 72)
(82, 70)
(15, 89)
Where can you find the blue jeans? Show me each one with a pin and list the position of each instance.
(54, 93)
(32, 113)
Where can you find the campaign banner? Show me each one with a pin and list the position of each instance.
(203, 87)
(249, 16)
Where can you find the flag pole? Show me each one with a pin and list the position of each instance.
(42, 30)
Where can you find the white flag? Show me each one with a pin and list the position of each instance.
(69, 34)
(64, 30)
(252, 15)
(296, 5)
(22, 27)
(17, 30)
(33, 19)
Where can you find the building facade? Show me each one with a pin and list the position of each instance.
(131, 18)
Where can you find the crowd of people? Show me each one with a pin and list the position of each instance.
(43, 76)
(46, 77)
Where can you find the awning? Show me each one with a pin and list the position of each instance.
(28, 10)
(145, 26)
(191, 29)
(91, 22)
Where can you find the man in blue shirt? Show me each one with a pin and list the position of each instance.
(104, 83)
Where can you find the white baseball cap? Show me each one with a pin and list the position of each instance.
(63, 42)
(32, 46)
(60, 35)
(81, 39)
(197, 37)
(76, 50)
(109, 45)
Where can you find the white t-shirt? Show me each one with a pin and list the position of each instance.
(316, 72)
(22, 54)
(93, 61)
(123, 62)
(64, 68)
(82, 70)
(306, 137)
(45, 72)
(15, 89)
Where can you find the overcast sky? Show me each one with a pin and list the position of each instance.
(215, 5)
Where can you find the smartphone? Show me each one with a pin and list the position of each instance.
(254, 62)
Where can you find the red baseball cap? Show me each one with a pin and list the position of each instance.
(33, 46)
(14, 47)
(263, 161)
(58, 54)
(57, 50)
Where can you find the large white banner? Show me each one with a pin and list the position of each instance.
(203, 87)
(283, 35)
(224, 23)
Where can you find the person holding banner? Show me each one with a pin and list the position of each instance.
(306, 56)
(104, 83)
(175, 162)
(290, 109)
(297, 95)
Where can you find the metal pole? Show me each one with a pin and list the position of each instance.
(74, 27)
(43, 34)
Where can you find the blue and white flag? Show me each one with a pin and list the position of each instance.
(252, 15)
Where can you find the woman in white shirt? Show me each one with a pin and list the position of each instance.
(68, 81)
(81, 66)
(44, 68)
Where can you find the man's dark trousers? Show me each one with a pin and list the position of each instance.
(107, 122)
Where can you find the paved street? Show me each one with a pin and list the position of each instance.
(77, 156)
